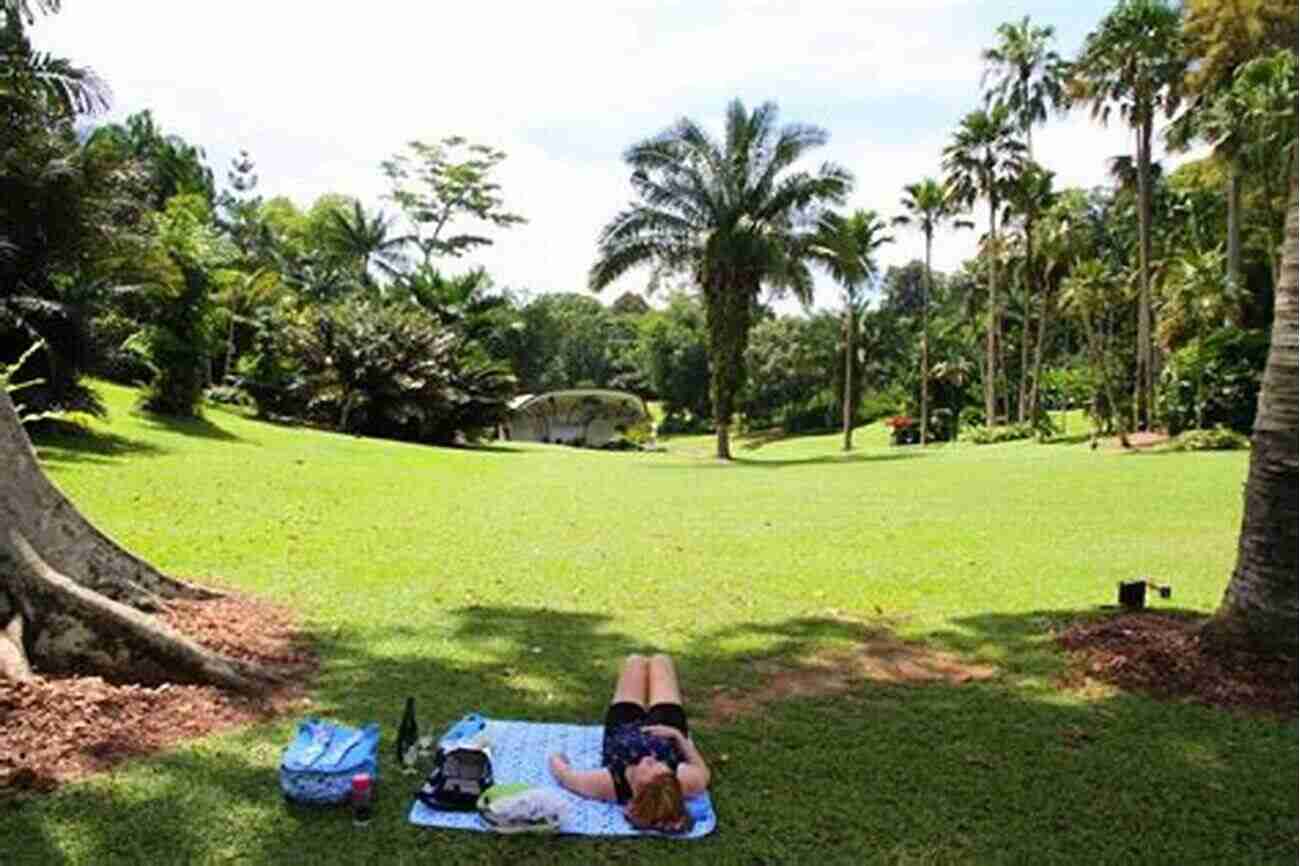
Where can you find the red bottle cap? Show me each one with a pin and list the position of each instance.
(361, 782)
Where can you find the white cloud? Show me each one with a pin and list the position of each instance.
(320, 93)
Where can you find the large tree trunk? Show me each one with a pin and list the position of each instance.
(1144, 386)
(926, 291)
(727, 313)
(71, 599)
(1258, 611)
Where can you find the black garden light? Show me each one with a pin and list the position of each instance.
(1133, 594)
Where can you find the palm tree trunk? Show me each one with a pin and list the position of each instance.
(230, 349)
(1234, 224)
(1258, 611)
(1145, 384)
(926, 291)
(1024, 327)
(990, 358)
(1044, 311)
(848, 378)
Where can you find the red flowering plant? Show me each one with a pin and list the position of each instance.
(903, 429)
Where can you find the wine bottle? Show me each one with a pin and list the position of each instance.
(408, 738)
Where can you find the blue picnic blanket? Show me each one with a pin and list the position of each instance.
(519, 752)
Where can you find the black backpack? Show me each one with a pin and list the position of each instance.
(460, 774)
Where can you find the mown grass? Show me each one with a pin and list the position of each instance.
(512, 580)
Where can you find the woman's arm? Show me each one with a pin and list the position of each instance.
(692, 772)
(592, 784)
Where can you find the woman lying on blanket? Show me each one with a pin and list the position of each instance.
(649, 760)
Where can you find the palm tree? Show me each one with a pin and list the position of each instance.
(1258, 610)
(1061, 238)
(27, 75)
(241, 296)
(929, 206)
(983, 154)
(362, 237)
(1088, 293)
(1134, 62)
(1028, 196)
(1027, 75)
(735, 215)
(846, 247)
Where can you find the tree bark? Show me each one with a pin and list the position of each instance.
(1234, 224)
(1144, 386)
(1044, 310)
(848, 377)
(1258, 610)
(990, 358)
(1023, 391)
(926, 291)
(72, 599)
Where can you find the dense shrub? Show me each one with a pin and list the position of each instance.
(1214, 381)
(879, 403)
(994, 435)
(970, 416)
(393, 371)
(106, 352)
(1066, 388)
(1218, 438)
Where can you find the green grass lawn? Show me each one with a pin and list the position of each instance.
(512, 580)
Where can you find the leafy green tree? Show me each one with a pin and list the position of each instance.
(735, 215)
(1026, 75)
(1089, 293)
(176, 277)
(846, 247)
(979, 163)
(673, 351)
(437, 184)
(928, 206)
(172, 165)
(1063, 237)
(1134, 62)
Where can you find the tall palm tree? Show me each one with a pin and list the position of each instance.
(1029, 195)
(983, 155)
(363, 238)
(1258, 610)
(1026, 73)
(1134, 62)
(733, 214)
(846, 247)
(27, 75)
(928, 206)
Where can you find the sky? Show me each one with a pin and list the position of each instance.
(320, 93)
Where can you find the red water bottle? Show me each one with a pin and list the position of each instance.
(362, 799)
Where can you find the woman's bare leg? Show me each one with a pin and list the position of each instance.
(664, 688)
(633, 681)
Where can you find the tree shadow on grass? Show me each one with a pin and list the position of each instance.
(200, 428)
(90, 446)
(823, 460)
(885, 773)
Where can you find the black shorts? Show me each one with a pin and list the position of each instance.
(629, 712)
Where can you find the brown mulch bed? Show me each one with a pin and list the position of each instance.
(56, 729)
(1162, 655)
